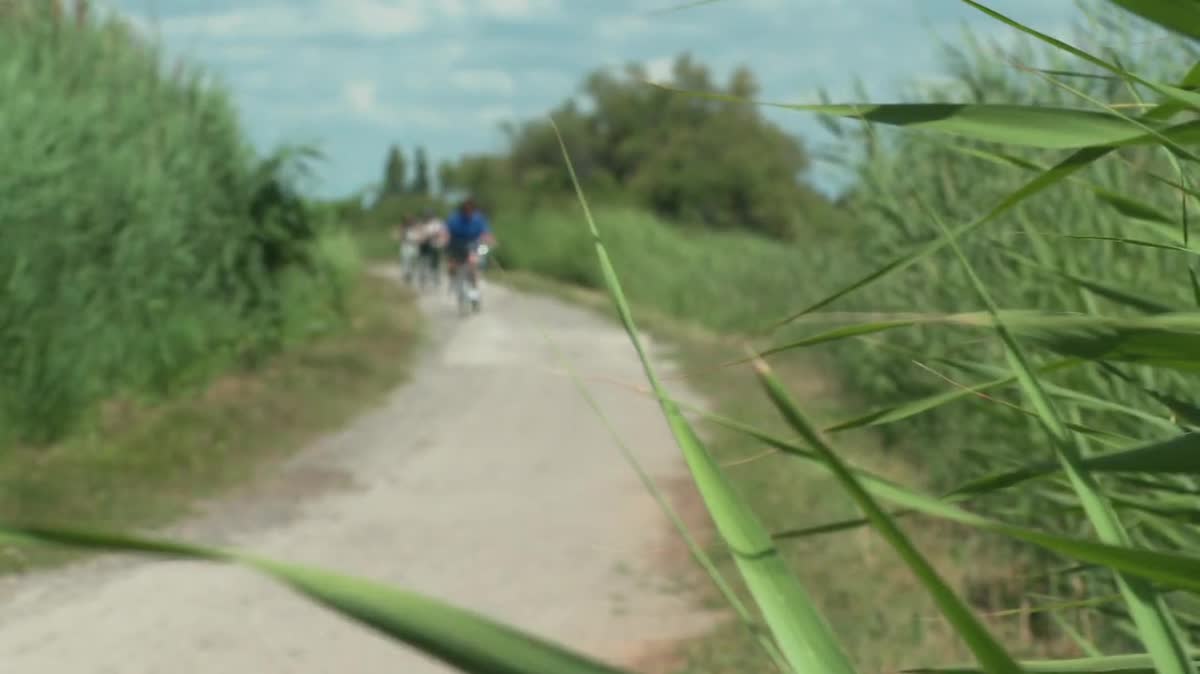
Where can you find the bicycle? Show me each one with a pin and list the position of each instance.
(427, 269)
(409, 261)
(466, 286)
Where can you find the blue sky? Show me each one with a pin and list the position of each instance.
(355, 76)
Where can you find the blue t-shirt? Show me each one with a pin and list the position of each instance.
(467, 228)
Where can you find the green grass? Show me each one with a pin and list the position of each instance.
(146, 464)
(377, 243)
(726, 281)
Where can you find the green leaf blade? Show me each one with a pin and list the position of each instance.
(453, 635)
(1175, 15)
(1151, 616)
(805, 639)
(990, 654)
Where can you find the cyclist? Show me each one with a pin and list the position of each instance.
(466, 228)
(410, 243)
(431, 237)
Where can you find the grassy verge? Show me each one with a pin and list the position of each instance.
(725, 281)
(145, 464)
(375, 243)
(881, 612)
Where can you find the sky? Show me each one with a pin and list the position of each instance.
(356, 76)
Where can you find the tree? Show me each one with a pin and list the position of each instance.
(700, 161)
(446, 175)
(485, 177)
(393, 175)
(743, 84)
(421, 184)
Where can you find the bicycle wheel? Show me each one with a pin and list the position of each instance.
(461, 290)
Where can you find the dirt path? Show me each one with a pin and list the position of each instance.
(486, 481)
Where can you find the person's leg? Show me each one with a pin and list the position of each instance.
(458, 251)
(406, 261)
(451, 272)
(472, 263)
(431, 263)
(419, 262)
(435, 264)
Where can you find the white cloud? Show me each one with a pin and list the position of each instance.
(622, 27)
(661, 70)
(483, 81)
(377, 17)
(518, 8)
(362, 96)
(243, 53)
(454, 8)
(252, 79)
(543, 81)
(418, 118)
(773, 5)
(361, 102)
(629, 27)
(490, 115)
(279, 19)
(276, 20)
(512, 9)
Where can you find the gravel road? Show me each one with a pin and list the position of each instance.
(486, 481)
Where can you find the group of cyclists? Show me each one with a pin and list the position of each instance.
(425, 240)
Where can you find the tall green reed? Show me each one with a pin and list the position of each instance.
(1069, 248)
(146, 242)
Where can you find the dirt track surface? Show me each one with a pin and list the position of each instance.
(486, 481)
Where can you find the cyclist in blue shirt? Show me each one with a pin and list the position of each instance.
(465, 228)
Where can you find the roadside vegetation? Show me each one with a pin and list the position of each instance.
(653, 150)
(968, 438)
(148, 463)
(175, 308)
(147, 245)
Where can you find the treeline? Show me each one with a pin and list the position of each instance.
(146, 244)
(396, 181)
(699, 161)
(402, 192)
